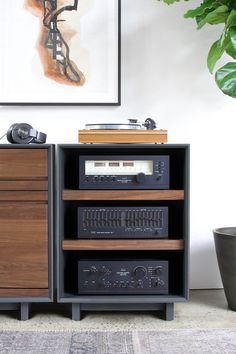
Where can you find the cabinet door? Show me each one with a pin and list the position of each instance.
(23, 245)
(23, 163)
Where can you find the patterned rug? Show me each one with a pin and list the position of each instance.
(179, 341)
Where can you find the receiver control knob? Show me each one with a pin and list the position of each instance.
(140, 178)
(158, 270)
(140, 272)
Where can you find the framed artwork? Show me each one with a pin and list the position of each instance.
(60, 52)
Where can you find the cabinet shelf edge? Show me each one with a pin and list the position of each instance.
(69, 194)
(116, 245)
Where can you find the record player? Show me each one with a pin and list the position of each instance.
(132, 132)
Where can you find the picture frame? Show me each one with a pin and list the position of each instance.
(60, 52)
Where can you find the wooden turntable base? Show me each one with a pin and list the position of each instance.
(123, 136)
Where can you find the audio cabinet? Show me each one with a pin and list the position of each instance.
(122, 227)
(26, 226)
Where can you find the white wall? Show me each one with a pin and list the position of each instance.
(164, 76)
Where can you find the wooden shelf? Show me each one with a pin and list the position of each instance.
(69, 194)
(116, 245)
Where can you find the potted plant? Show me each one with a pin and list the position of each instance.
(215, 12)
(221, 12)
(225, 244)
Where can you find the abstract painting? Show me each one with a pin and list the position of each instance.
(53, 49)
(60, 52)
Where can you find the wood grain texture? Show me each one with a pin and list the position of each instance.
(23, 163)
(23, 245)
(24, 196)
(73, 245)
(123, 194)
(24, 185)
(122, 136)
(24, 292)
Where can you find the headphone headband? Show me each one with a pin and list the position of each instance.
(39, 137)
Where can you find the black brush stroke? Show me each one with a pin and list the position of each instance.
(50, 21)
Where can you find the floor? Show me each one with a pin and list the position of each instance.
(206, 309)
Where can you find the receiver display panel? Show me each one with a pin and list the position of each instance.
(119, 168)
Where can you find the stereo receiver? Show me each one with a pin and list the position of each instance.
(122, 277)
(122, 222)
(124, 172)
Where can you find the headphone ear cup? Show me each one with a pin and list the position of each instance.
(21, 134)
(9, 133)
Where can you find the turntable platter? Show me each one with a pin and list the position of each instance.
(115, 126)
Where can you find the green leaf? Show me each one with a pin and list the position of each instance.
(226, 79)
(203, 16)
(231, 20)
(219, 15)
(230, 51)
(231, 45)
(198, 11)
(169, 2)
(232, 37)
(215, 53)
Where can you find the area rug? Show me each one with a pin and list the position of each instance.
(178, 341)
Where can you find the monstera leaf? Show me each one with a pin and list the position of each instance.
(231, 47)
(226, 79)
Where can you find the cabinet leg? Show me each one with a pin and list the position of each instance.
(76, 312)
(24, 311)
(169, 312)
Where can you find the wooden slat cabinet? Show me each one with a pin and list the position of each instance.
(23, 164)
(23, 245)
(26, 225)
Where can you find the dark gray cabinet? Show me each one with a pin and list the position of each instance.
(70, 249)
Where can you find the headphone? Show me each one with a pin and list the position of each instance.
(23, 133)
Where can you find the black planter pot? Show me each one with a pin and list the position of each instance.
(225, 244)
